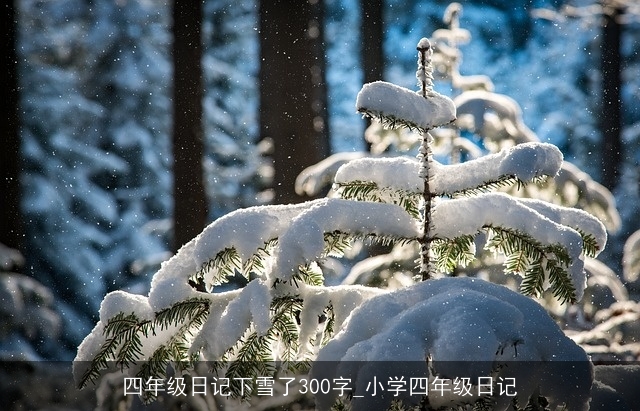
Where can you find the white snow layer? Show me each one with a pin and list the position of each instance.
(114, 303)
(389, 100)
(250, 306)
(467, 327)
(122, 302)
(525, 162)
(245, 230)
(303, 241)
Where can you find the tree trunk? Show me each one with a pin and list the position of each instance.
(610, 118)
(190, 204)
(372, 44)
(293, 112)
(11, 230)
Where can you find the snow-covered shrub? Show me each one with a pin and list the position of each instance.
(28, 321)
(284, 315)
(455, 327)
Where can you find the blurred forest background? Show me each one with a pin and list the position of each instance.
(133, 123)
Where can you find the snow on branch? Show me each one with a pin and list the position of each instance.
(314, 178)
(394, 105)
(631, 260)
(498, 211)
(455, 327)
(577, 188)
(593, 232)
(238, 240)
(522, 163)
(304, 240)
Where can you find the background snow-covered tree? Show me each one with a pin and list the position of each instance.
(95, 119)
(482, 114)
(96, 116)
(280, 249)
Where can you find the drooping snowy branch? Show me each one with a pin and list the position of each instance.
(474, 106)
(586, 224)
(524, 163)
(233, 239)
(314, 178)
(427, 326)
(631, 260)
(468, 216)
(573, 187)
(395, 106)
(303, 240)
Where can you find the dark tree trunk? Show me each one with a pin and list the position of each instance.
(610, 117)
(11, 230)
(293, 112)
(190, 204)
(372, 43)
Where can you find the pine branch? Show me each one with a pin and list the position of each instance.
(309, 275)
(533, 280)
(228, 262)
(336, 243)
(590, 246)
(255, 264)
(484, 404)
(370, 191)
(390, 121)
(253, 359)
(185, 316)
(451, 253)
(194, 310)
(285, 324)
(124, 333)
(225, 264)
(120, 329)
(533, 261)
(328, 331)
(488, 186)
(563, 288)
(518, 262)
(254, 353)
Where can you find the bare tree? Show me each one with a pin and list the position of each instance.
(293, 111)
(610, 120)
(372, 42)
(11, 231)
(190, 205)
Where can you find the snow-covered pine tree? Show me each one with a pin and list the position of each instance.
(495, 119)
(285, 314)
(95, 118)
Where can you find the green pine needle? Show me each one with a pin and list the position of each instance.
(391, 122)
(451, 253)
(590, 246)
(534, 261)
(359, 190)
(124, 334)
(533, 281)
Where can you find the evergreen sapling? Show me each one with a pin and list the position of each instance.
(285, 317)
